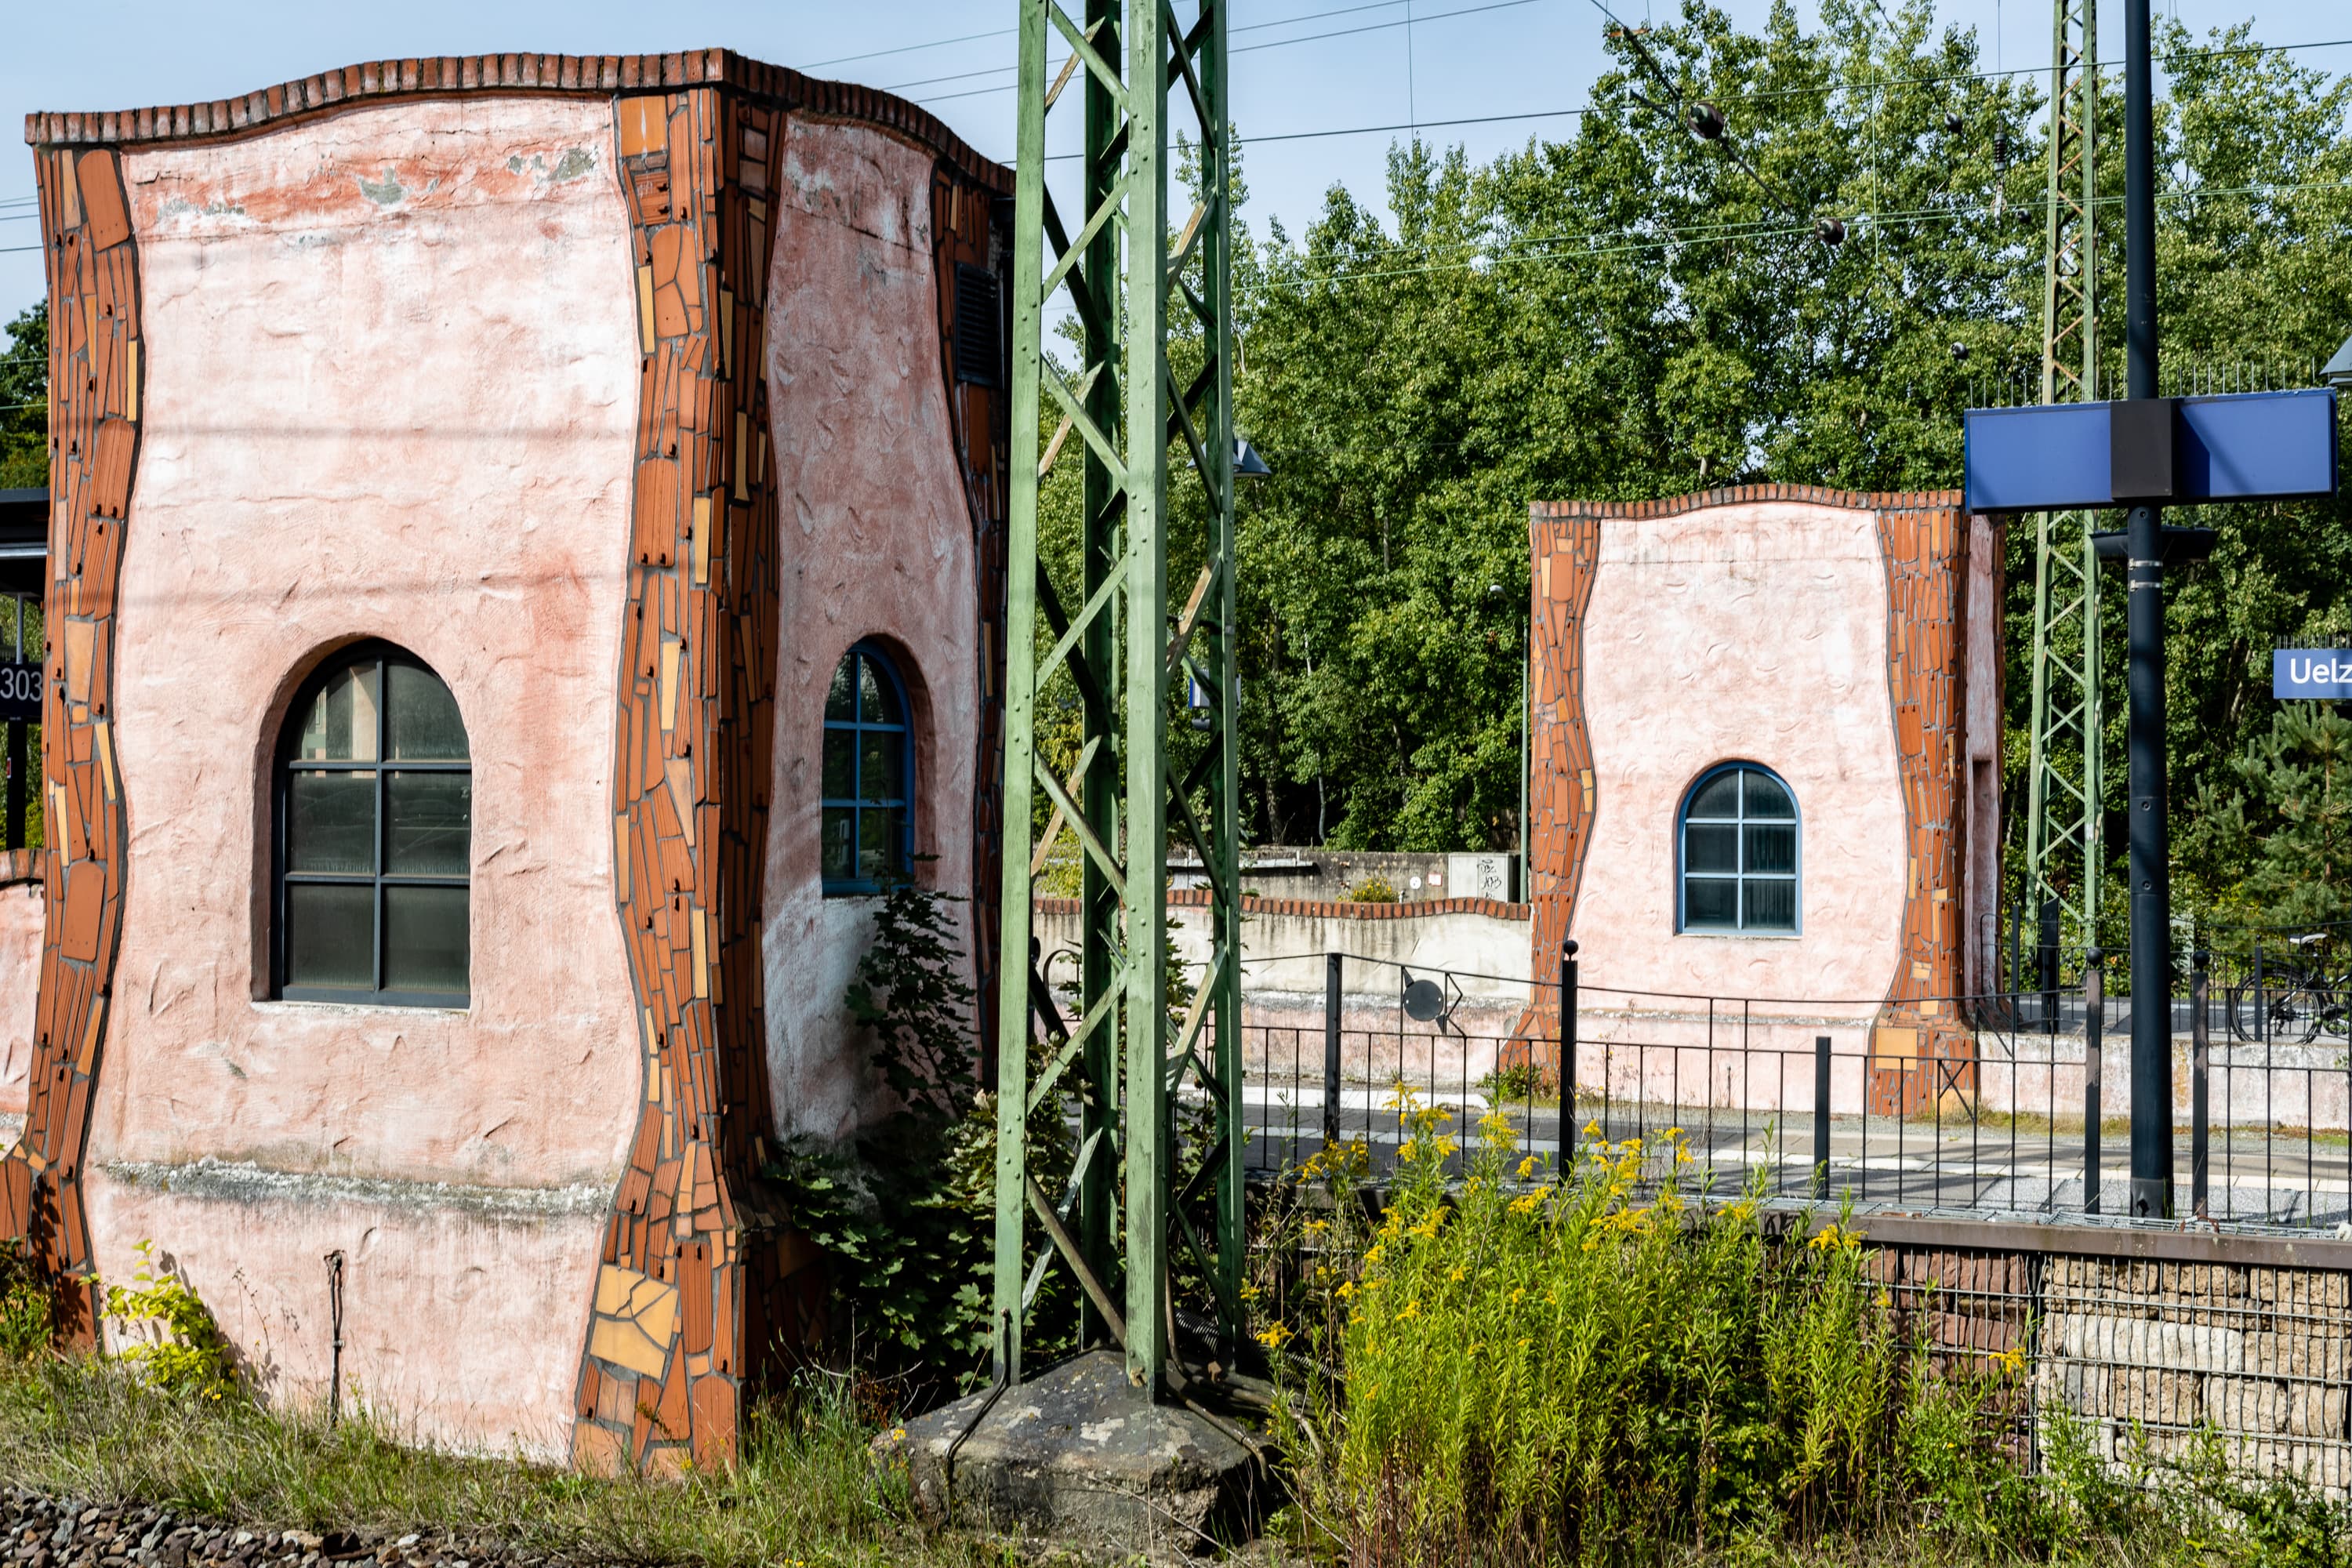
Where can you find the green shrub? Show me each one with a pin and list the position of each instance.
(24, 1304)
(171, 1339)
(906, 1209)
(1530, 1369)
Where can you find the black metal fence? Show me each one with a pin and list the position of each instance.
(2011, 1104)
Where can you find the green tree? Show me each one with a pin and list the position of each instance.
(1633, 311)
(24, 401)
(2283, 814)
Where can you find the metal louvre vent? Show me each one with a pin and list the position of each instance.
(979, 326)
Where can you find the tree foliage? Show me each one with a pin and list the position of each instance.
(1635, 312)
(24, 401)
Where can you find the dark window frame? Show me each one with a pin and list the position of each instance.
(1742, 876)
(856, 726)
(285, 766)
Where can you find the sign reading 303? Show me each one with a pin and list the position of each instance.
(20, 691)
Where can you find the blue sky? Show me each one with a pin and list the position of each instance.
(1457, 59)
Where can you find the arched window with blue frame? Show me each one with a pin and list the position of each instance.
(1735, 854)
(870, 776)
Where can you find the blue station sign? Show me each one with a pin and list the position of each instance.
(2062, 457)
(2312, 673)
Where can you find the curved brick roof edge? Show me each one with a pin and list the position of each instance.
(383, 80)
(1731, 495)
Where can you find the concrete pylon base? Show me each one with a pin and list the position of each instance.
(1078, 1455)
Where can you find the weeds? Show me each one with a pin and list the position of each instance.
(23, 1305)
(803, 1488)
(1513, 1369)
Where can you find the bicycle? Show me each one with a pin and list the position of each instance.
(2293, 1003)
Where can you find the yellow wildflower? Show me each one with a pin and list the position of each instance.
(1411, 1310)
(1273, 1335)
(1460, 1272)
(1374, 1256)
(1526, 1167)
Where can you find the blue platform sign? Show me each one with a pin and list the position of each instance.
(2312, 673)
(2246, 446)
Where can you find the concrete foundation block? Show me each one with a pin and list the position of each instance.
(1078, 1454)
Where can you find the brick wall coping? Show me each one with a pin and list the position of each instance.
(1333, 909)
(2203, 1245)
(1732, 495)
(589, 75)
(23, 865)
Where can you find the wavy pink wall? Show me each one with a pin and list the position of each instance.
(22, 913)
(877, 543)
(1755, 631)
(390, 392)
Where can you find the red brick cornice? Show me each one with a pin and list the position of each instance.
(1733, 495)
(593, 75)
(1335, 909)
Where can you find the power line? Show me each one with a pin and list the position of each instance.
(1270, 44)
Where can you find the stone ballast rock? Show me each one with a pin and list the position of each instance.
(39, 1531)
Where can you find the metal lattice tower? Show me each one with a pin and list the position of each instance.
(1140, 1209)
(2064, 791)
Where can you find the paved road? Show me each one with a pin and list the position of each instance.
(2254, 1177)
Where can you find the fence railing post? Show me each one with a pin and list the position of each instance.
(2093, 1025)
(1567, 1053)
(1821, 1116)
(2046, 965)
(2201, 1060)
(2262, 998)
(1331, 962)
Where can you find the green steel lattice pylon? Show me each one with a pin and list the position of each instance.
(1139, 1210)
(2063, 785)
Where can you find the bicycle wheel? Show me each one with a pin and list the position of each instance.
(2295, 1013)
(2240, 1008)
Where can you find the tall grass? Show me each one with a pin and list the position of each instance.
(803, 1488)
(1513, 1369)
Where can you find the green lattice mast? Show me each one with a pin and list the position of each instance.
(1124, 1225)
(2063, 788)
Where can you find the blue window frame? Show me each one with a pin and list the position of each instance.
(1736, 853)
(870, 776)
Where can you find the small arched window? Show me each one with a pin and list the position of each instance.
(1736, 849)
(375, 815)
(870, 776)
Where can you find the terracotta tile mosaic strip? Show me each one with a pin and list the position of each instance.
(94, 344)
(701, 1285)
(1562, 794)
(1919, 1051)
(19, 866)
(594, 74)
(970, 225)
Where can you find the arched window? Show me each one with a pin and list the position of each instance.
(870, 776)
(1736, 846)
(375, 806)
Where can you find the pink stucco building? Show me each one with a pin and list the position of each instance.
(525, 564)
(1765, 741)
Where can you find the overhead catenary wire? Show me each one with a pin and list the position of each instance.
(1269, 44)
